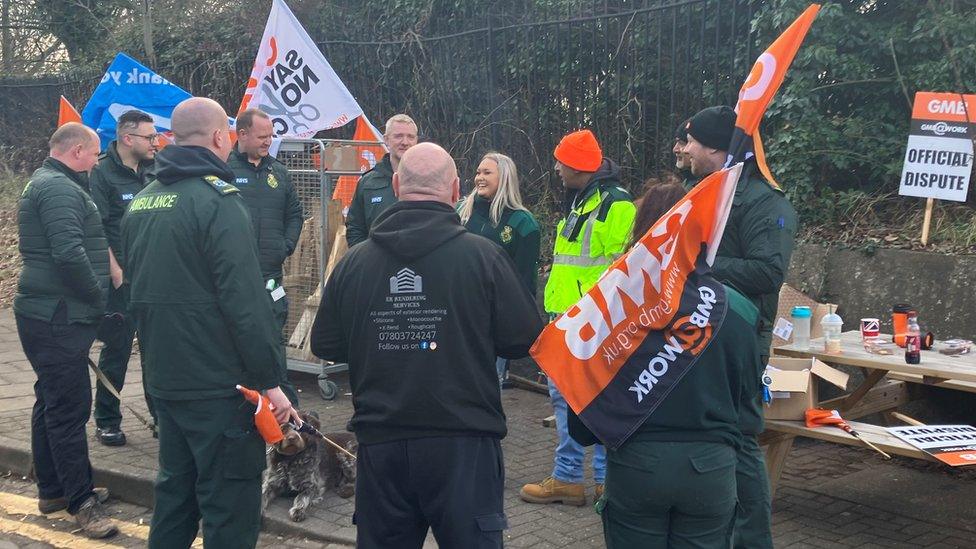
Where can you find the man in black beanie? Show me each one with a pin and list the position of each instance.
(709, 133)
(753, 257)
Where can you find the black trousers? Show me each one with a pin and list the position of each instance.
(58, 353)
(114, 360)
(452, 485)
(280, 309)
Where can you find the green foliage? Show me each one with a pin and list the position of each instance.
(834, 135)
(83, 26)
(838, 127)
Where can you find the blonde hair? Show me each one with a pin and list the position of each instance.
(401, 118)
(507, 195)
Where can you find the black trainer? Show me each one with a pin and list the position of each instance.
(110, 436)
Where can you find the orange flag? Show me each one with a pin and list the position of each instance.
(264, 419)
(759, 88)
(368, 157)
(67, 113)
(620, 350)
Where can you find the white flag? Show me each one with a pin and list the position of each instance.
(293, 83)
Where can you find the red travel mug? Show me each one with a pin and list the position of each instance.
(899, 322)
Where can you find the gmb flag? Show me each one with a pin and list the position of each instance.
(293, 83)
(759, 88)
(128, 85)
(626, 344)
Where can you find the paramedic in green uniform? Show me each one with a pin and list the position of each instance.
(123, 170)
(276, 212)
(193, 267)
(673, 483)
(753, 258)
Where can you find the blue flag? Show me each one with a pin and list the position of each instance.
(128, 85)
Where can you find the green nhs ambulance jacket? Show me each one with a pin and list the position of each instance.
(205, 324)
(591, 237)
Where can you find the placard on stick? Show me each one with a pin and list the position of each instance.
(953, 445)
(939, 157)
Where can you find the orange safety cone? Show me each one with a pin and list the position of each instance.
(819, 417)
(264, 419)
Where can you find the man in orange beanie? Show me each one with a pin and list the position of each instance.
(599, 216)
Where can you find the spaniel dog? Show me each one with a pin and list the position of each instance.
(305, 466)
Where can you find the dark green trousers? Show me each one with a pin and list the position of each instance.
(669, 495)
(210, 464)
(113, 360)
(753, 528)
(280, 309)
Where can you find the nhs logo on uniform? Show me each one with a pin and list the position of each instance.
(127, 196)
(406, 282)
(241, 181)
(376, 199)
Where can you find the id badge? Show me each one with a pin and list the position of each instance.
(278, 293)
(570, 226)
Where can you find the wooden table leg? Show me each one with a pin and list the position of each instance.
(869, 381)
(900, 417)
(776, 453)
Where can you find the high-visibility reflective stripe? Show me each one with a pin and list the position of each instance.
(577, 261)
(588, 226)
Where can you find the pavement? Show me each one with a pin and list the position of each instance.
(22, 526)
(830, 495)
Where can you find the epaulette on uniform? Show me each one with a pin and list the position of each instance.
(222, 187)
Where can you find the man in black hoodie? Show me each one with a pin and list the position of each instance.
(419, 311)
(192, 263)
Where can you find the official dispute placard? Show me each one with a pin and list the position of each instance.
(951, 444)
(939, 158)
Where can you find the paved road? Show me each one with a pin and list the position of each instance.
(23, 527)
(831, 496)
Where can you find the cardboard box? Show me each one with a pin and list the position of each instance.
(790, 297)
(797, 378)
(341, 158)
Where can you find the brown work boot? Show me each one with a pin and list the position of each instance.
(48, 506)
(93, 522)
(552, 490)
(598, 491)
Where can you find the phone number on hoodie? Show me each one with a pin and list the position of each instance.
(407, 336)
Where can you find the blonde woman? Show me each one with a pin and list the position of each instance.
(494, 210)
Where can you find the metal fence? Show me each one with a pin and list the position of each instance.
(630, 76)
(510, 85)
(314, 166)
(303, 270)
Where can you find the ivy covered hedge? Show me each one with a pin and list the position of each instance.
(514, 75)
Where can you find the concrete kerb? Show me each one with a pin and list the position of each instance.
(15, 457)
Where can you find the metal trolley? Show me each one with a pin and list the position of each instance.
(307, 161)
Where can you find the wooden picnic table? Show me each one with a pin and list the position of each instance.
(934, 365)
(884, 389)
(936, 369)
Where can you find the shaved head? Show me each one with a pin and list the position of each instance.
(76, 146)
(70, 135)
(427, 172)
(202, 122)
